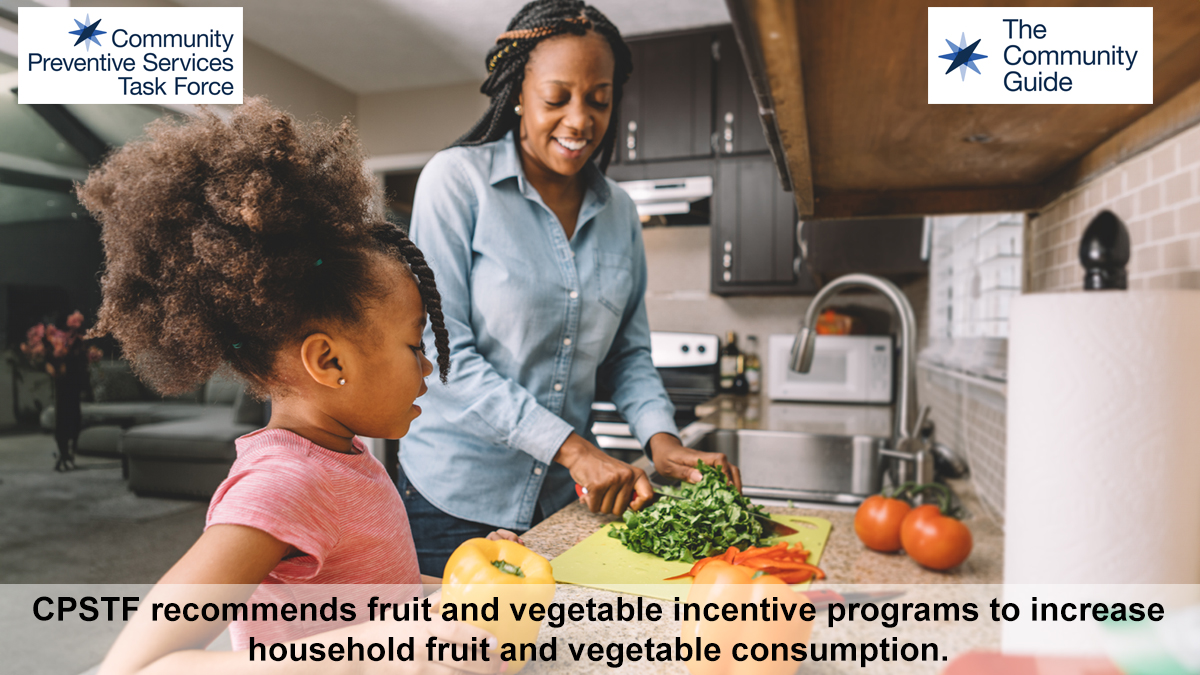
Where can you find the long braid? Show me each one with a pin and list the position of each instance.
(396, 242)
(506, 60)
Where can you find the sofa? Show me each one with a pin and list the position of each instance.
(180, 446)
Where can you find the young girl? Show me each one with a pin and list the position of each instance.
(258, 243)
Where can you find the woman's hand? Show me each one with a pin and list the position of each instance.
(673, 459)
(612, 485)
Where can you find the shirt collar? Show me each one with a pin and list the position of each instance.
(506, 163)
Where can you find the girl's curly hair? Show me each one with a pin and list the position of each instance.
(227, 240)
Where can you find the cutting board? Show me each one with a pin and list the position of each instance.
(603, 562)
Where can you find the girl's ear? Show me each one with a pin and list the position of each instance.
(319, 354)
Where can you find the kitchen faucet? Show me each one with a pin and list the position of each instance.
(906, 444)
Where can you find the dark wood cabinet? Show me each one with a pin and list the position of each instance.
(689, 110)
(666, 112)
(754, 247)
(737, 126)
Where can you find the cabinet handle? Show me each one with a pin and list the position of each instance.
(728, 135)
(631, 140)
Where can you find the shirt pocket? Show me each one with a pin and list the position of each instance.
(616, 280)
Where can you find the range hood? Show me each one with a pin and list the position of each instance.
(668, 196)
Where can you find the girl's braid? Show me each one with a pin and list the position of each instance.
(395, 239)
(506, 60)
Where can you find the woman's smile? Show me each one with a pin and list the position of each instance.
(571, 147)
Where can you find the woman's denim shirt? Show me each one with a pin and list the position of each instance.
(536, 322)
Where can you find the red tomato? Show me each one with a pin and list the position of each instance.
(878, 520)
(936, 541)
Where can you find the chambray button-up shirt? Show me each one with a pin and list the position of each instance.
(536, 321)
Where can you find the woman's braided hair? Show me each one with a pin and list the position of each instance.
(226, 240)
(506, 60)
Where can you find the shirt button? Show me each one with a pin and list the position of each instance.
(567, 341)
(537, 471)
(558, 386)
(574, 294)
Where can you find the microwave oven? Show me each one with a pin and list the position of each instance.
(845, 369)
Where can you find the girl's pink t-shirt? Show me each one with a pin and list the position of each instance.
(340, 510)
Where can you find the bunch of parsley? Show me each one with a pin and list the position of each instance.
(714, 517)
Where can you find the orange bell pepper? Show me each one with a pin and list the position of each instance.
(721, 584)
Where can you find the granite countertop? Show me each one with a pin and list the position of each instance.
(845, 561)
(755, 411)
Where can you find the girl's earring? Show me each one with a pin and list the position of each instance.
(518, 109)
(341, 380)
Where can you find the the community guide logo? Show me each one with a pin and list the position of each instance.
(963, 56)
(88, 32)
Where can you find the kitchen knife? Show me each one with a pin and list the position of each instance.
(772, 525)
(822, 599)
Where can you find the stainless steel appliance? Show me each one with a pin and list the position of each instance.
(845, 369)
(687, 363)
(672, 201)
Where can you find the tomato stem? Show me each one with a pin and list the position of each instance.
(943, 495)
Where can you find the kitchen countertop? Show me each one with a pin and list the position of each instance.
(755, 411)
(845, 561)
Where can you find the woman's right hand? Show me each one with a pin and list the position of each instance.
(612, 485)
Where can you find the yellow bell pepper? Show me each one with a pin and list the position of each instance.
(481, 571)
(723, 584)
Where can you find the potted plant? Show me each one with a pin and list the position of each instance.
(65, 356)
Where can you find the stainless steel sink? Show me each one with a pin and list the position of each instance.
(800, 466)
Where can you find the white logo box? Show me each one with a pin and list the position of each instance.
(157, 55)
(1068, 34)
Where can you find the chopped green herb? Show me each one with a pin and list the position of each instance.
(713, 518)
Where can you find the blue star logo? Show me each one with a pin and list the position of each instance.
(88, 32)
(962, 56)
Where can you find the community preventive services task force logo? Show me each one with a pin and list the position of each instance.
(129, 55)
(1027, 55)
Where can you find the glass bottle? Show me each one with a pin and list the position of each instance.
(753, 365)
(731, 363)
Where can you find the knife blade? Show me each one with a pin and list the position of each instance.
(772, 525)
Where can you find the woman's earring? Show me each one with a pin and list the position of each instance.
(518, 109)
(342, 380)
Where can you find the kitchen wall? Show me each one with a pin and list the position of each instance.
(678, 299)
(418, 120)
(1157, 194)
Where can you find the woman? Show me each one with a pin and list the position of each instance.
(540, 262)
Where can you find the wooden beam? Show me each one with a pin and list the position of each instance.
(1178, 113)
(779, 38)
(928, 202)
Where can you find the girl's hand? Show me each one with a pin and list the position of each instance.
(505, 534)
(612, 485)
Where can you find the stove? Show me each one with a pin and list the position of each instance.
(688, 365)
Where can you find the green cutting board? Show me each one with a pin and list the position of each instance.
(603, 562)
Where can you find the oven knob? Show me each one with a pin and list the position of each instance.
(683, 348)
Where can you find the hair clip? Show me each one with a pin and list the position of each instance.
(318, 263)
(237, 345)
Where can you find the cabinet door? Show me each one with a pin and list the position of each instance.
(738, 129)
(667, 108)
(754, 231)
